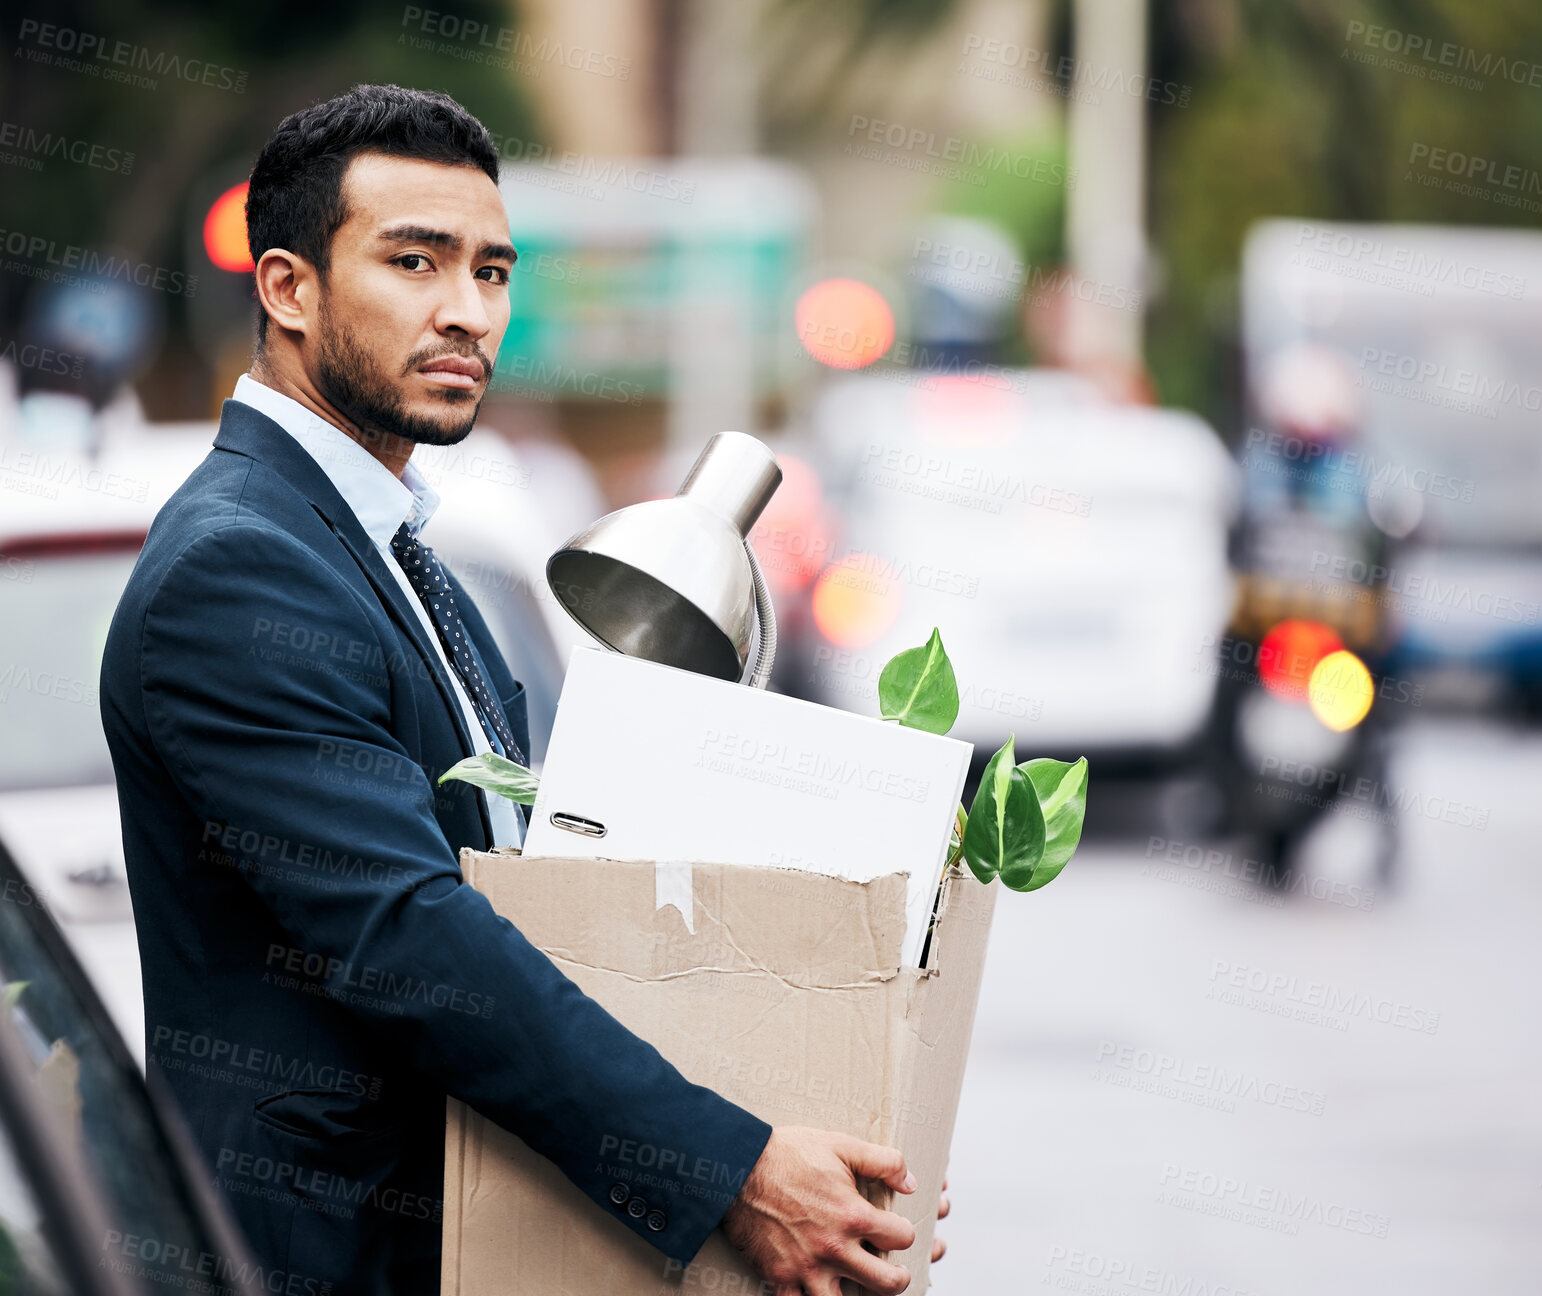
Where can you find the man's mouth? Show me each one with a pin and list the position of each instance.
(453, 371)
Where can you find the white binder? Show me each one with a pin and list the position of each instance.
(647, 762)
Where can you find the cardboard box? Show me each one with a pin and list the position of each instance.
(789, 997)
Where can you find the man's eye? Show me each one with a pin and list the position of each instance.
(413, 257)
(500, 275)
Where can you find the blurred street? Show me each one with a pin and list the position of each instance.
(1423, 1172)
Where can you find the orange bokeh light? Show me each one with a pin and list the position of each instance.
(793, 537)
(224, 231)
(844, 323)
(856, 600)
(1290, 652)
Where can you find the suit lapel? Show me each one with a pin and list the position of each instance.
(249, 432)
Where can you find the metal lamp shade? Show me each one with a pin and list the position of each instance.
(672, 580)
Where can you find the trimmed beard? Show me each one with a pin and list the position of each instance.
(353, 384)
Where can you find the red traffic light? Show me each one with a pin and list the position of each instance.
(224, 231)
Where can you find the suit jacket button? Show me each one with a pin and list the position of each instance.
(657, 1221)
(619, 1192)
(637, 1208)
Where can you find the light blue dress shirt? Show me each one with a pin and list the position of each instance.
(382, 502)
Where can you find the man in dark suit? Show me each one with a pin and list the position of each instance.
(288, 672)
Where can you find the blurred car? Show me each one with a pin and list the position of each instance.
(1071, 551)
(71, 530)
(68, 542)
(101, 1191)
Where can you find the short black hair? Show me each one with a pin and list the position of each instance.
(295, 198)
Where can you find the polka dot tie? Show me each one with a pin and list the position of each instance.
(427, 577)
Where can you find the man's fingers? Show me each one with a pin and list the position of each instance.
(871, 1161)
(876, 1275)
(939, 1249)
(944, 1205)
(888, 1231)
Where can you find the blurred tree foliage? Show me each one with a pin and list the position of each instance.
(293, 52)
(1285, 121)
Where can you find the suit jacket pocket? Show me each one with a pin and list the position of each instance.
(335, 1199)
(345, 1115)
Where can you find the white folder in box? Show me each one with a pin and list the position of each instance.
(651, 763)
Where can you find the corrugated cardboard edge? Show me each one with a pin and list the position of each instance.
(939, 1015)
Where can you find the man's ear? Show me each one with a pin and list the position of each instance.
(288, 288)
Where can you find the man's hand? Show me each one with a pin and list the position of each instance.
(801, 1222)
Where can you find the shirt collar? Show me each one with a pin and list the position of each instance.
(380, 500)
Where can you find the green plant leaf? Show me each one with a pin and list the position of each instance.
(1005, 833)
(495, 773)
(1061, 787)
(956, 838)
(13, 991)
(918, 688)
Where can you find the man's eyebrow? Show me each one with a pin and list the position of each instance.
(447, 240)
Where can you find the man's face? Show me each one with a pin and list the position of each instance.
(415, 302)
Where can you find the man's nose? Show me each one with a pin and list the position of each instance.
(463, 307)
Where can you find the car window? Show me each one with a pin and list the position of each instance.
(27, 1261)
(54, 614)
(157, 1225)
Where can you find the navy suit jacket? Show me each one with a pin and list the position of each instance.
(317, 976)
